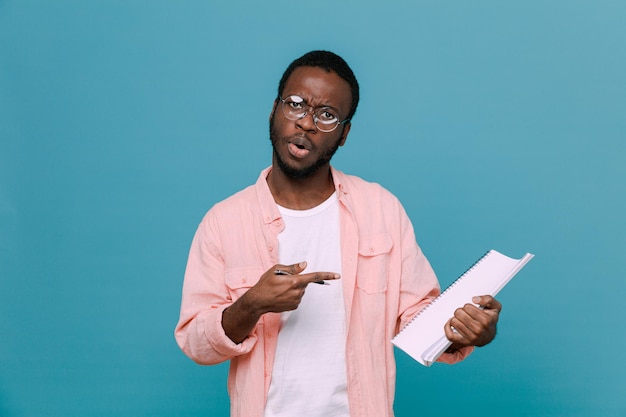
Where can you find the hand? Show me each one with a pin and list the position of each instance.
(272, 293)
(474, 326)
(283, 292)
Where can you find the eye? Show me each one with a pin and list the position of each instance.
(326, 115)
(295, 102)
(294, 105)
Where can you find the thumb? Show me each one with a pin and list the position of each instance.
(297, 268)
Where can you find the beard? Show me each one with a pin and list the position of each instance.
(305, 172)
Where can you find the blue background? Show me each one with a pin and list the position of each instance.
(498, 124)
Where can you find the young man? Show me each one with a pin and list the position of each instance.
(302, 279)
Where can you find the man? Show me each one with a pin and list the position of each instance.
(302, 279)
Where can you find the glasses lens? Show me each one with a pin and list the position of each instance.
(326, 119)
(294, 107)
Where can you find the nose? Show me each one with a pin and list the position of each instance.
(307, 122)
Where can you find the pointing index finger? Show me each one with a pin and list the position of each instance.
(305, 279)
(321, 277)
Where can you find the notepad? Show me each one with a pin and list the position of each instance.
(423, 338)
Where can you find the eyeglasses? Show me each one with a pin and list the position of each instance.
(326, 118)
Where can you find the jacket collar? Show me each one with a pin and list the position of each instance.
(269, 210)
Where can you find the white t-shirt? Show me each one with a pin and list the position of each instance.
(309, 375)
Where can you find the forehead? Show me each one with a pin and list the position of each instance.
(319, 86)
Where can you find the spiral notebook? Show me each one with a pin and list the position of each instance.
(424, 338)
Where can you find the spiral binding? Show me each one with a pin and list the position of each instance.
(448, 289)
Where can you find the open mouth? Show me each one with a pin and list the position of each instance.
(299, 147)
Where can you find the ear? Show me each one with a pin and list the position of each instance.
(344, 134)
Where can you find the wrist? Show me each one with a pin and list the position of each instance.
(247, 305)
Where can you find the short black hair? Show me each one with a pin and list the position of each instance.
(330, 62)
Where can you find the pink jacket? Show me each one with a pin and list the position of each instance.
(386, 281)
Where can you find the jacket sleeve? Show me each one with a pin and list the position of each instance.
(199, 332)
(419, 285)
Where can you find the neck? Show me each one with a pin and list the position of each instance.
(300, 193)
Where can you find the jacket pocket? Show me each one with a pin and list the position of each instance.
(240, 280)
(373, 263)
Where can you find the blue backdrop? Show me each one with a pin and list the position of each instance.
(498, 124)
